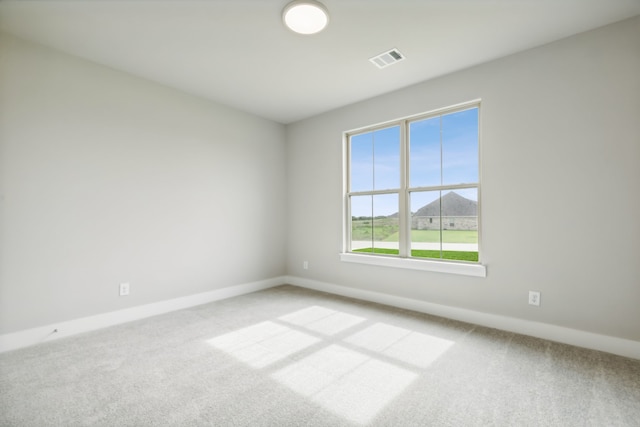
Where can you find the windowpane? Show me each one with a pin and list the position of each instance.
(361, 222)
(442, 159)
(444, 224)
(375, 160)
(424, 147)
(386, 156)
(386, 236)
(460, 224)
(425, 224)
(362, 162)
(460, 147)
(374, 223)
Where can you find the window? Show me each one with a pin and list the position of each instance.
(412, 189)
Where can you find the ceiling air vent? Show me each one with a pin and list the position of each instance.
(387, 58)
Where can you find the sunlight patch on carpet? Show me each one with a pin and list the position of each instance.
(346, 382)
(354, 377)
(321, 319)
(401, 344)
(262, 344)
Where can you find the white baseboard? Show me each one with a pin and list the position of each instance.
(619, 346)
(40, 334)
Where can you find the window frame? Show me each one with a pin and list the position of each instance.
(404, 258)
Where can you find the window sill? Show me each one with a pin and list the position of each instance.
(477, 270)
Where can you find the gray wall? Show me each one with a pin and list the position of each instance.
(106, 178)
(560, 147)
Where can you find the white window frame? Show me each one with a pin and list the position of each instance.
(403, 259)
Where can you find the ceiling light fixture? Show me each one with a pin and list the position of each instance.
(305, 16)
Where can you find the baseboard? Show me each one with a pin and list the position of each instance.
(619, 346)
(55, 331)
(614, 345)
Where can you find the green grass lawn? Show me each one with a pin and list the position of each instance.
(386, 230)
(381, 230)
(419, 253)
(433, 236)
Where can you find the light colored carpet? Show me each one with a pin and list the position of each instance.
(293, 357)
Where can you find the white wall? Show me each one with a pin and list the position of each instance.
(107, 178)
(560, 146)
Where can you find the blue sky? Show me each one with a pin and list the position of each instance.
(375, 160)
(459, 149)
(383, 146)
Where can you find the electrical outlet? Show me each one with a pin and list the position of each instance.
(534, 298)
(124, 289)
(305, 265)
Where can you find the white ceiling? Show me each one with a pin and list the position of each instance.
(238, 53)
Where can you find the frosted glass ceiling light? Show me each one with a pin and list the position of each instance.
(305, 16)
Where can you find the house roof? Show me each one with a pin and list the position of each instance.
(452, 204)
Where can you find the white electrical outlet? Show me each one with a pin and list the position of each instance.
(305, 265)
(124, 289)
(534, 298)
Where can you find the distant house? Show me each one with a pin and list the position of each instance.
(457, 213)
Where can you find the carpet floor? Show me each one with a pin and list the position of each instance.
(293, 357)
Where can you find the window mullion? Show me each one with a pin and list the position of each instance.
(374, 193)
(403, 197)
(445, 187)
(441, 183)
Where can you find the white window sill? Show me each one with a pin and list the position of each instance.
(477, 270)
